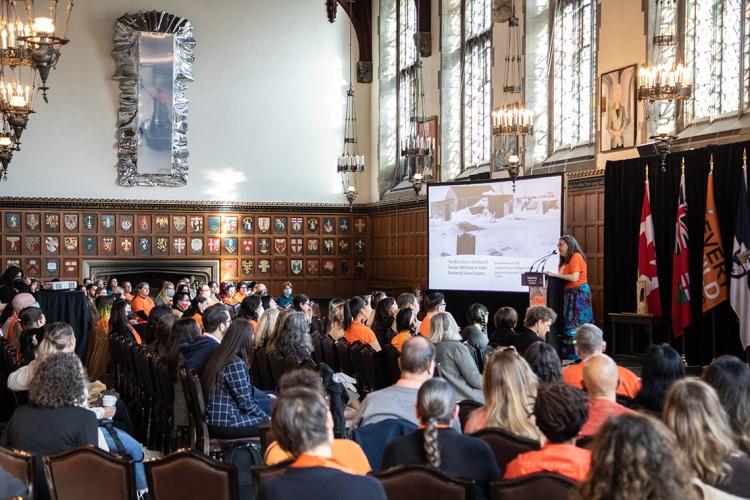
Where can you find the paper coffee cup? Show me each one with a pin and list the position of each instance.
(109, 400)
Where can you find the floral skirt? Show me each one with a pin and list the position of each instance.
(576, 311)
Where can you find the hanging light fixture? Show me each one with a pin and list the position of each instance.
(512, 122)
(350, 162)
(29, 48)
(418, 147)
(663, 82)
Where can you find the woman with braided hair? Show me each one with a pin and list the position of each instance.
(438, 444)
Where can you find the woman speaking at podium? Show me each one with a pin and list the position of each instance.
(577, 300)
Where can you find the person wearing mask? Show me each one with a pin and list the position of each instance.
(216, 320)
(260, 289)
(285, 299)
(600, 381)
(303, 426)
(560, 412)
(180, 303)
(164, 298)
(357, 330)
(434, 303)
(8, 282)
(440, 445)
(142, 303)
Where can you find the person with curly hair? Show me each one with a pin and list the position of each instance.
(440, 445)
(545, 362)
(693, 412)
(636, 456)
(730, 377)
(560, 412)
(509, 386)
(294, 337)
(54, 420)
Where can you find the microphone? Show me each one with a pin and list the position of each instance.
(540, 266)
(537, 261)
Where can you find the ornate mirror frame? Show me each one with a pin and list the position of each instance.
(128, 31)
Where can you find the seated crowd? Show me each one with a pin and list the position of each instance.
(593, 422)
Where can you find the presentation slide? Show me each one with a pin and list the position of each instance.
(483, 236)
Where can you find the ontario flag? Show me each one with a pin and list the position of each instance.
(680, 267)
(647, 256)
(715, 279)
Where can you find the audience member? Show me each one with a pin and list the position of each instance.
(303, 426)
(382, 323)
(440, 445)
(280, 320)
(230, 296)
(338, 316)
(545, 362)
(59, 337)
(213, 293)
(119, 324)
(10, 277)
(294, 338)
(12, 326)
(406, 324)
(164, 297)
(32, 321)
(266, 325)
(286, 298)
(636, 456)
(730, 377)
(536, 324)
(357, 330)
(661, 368)
(434, 303)
(251, 309)
(127, 291)
(54, 420)
(98, 358)
(231, 407)
(153, 318)
(590, 342)
(180, 303)
(345, 451)
(456, 362)
(162, 333)
(600, 381)
(509, 386)
(268, 301)
(111, 285)
(693, 412)
(417, 362)
(197, 307)
(216, 320)
(475, 332)
(560, 412)
(142, 303)
(408, 300)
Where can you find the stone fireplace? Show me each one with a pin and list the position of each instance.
(153, 271)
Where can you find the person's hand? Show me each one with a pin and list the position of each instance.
(109, 411)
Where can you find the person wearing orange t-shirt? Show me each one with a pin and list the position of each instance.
(600, 378)
(231, 298)
(434, 303)
(357, 330)
(560, 412)
(127, 290)
(303, 426)
(590, 342)
(142, 303)
(405, 323)
(577, 299)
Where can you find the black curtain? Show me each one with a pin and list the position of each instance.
(623, 199)
(70, 307)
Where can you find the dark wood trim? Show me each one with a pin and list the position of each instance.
(361, 18)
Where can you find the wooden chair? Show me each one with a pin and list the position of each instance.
(328, 348)
(317, 353)
(262, 472)
(407, 482)
(261, 360)
(19, 464)
(277, 364)
(88, 473)
(465, 408)
(505, 445)
(391, 367)
(544, 485)
(186, 474)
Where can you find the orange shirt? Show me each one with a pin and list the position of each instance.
(233, 300)
(424, 326)
(254, 324)
(344, 451)
(142, 304)
(399, 339)
(306, 460)
(629, 384)
(564, 459)
(600, 411)
(14, 329)
(577, 264)
(127, 296)
(136, 335)
(358, 331)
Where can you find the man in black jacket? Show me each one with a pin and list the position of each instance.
(536, 324)
(216, 320)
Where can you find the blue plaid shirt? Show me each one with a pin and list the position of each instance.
(233, 403)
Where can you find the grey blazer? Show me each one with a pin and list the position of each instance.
(457, 366)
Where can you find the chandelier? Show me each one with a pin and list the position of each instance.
(512, 122)
(350, 162)
(664, 82)
(29, 48)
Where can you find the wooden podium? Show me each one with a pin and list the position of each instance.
(546, 290)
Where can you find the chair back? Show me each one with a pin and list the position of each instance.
(197, 409)
(343, 356)
(505, 445)
(328, 348)
(391, 368)
(89, 473)
(369, 367)
(261, 361)
(19, 464)
(317, 353)
(277, 365)
(465, 408)
(406, 482)
(373, 438)
(262, 472)
(207, 478)
(546, 485)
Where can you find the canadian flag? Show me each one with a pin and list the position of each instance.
(647, 256)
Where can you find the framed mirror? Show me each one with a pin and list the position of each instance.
(153, 53)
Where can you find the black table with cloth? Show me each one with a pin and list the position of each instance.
(70, 307)
(623, 199)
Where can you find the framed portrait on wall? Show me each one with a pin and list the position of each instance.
(617, 109)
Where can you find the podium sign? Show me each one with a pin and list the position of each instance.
(537, 283)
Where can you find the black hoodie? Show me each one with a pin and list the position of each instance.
(197, 352)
